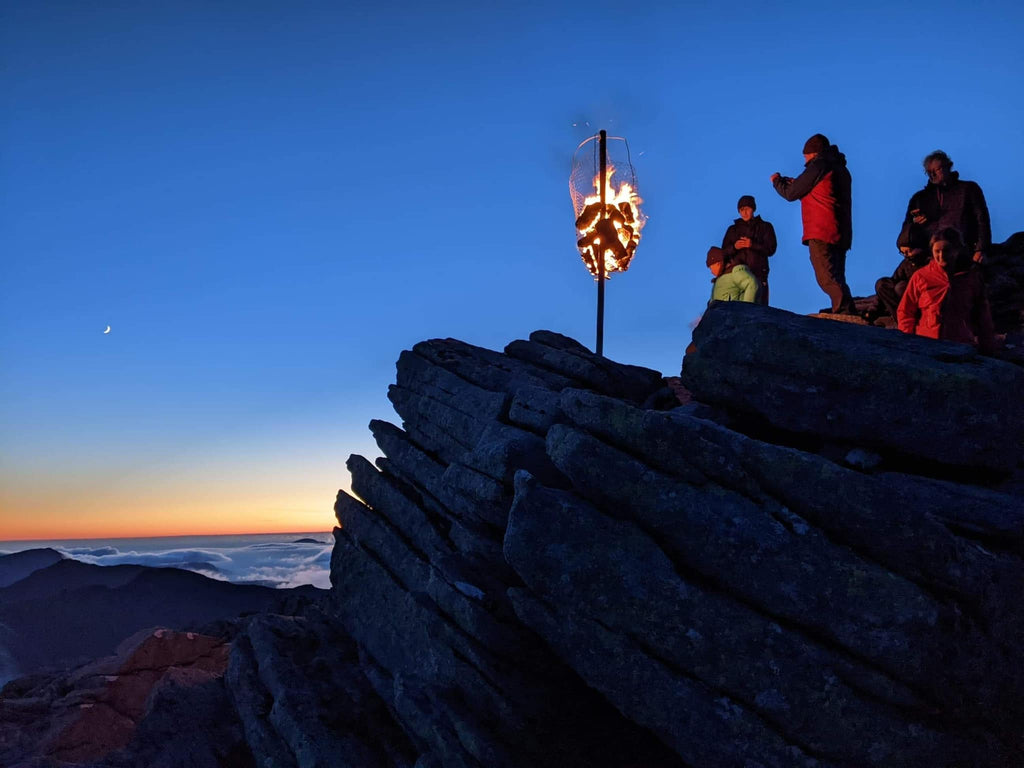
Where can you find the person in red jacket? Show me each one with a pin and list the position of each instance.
(945, 299)
(823, 190)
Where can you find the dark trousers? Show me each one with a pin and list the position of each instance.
(889, 293)
(829, 262)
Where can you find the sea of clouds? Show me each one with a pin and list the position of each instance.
(289, 562)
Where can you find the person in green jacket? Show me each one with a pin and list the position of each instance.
(732, 281)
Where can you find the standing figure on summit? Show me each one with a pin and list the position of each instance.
(948, 201)
(750, 240)
(823, 190)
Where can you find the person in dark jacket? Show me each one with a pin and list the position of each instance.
(823, 190)
(750, 240)
(949, 201)
(945, 299)
(913, 244)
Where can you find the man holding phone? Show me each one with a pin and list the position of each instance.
(823, 190)
(949, 201)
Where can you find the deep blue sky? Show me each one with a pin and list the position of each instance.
(267, 202)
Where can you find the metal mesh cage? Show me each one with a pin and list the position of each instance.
(611, 230)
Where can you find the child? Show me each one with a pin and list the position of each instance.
(945, 299)
(732, 282)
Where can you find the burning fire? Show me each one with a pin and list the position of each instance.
(614, 235)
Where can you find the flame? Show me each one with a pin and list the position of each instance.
(618, 225)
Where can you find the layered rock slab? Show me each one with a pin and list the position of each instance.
(418, 576)
(936, 401)
(535, 538)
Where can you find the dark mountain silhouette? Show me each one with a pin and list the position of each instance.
(17, 566)
(72, 611)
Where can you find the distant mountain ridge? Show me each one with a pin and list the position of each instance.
(72, 611)
(18, 565)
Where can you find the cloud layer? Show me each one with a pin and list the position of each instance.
(276, 564)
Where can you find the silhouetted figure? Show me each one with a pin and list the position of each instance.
(948, 201)
(823, 190)
(732, 281)
(913, 244)
(945, 299)
(750, 240)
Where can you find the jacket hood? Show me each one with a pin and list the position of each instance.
(835, 157)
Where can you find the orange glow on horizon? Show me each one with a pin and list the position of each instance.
(44, 516)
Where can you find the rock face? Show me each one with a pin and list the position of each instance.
(937, 401)
(541, 570)
(556, 563)
(94, 712)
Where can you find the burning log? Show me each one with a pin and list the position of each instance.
(609, 230)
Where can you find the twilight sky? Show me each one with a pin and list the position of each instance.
(268, 201)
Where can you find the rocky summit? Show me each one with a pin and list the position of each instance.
(817, 560)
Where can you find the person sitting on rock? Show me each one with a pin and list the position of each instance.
(945, 299)
(913, 244)
(750, 240)
(949, 201)
(732, 281)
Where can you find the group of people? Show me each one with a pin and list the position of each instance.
(937, 290)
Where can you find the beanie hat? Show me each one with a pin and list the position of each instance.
(747, 201)
(817, 143)
(715, 254)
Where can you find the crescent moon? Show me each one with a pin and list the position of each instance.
(108, 329)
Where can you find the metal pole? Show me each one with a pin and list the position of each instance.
(603, 151)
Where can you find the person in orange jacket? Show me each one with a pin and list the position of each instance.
(945, 299)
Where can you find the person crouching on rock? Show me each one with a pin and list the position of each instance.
(945, 299)
(732, 281)
(913, 244)
(750, 240)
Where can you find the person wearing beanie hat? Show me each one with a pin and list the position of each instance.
(750, 240)
(817, 144)
(732, 281)
(912, 243)
(823, 190)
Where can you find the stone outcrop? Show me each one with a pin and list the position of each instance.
(731, 576)
(565, 561)
(93, 712)
(940, 402)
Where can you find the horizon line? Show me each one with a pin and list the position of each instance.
(169, 536)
